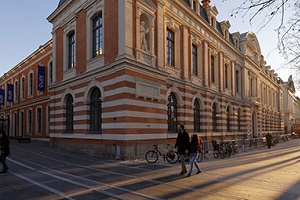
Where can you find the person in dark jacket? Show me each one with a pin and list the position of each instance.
(269, 140)
(5, 151)
(194, 145)
(182, 144)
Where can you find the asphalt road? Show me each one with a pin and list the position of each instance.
(38, 171)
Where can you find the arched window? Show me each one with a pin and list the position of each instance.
(228, 119)
(95, 111)
(172, 113)
(196, 116)
(214, 117)
(239, 119)
(69, 114)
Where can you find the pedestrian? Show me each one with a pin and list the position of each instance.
(269, 140)
(182, 144)
(5, 151)
(194, 146)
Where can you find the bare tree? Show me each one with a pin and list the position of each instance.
(286, 13)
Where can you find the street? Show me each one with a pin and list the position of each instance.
(38, 171)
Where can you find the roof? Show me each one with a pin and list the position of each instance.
(60, 2)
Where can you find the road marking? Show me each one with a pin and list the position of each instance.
(43, 186)
(96, 189)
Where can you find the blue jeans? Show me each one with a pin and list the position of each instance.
(193, 162)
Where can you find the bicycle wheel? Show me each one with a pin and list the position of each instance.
(151, 156)
(222, 153)
(216, 154)
(172, 157)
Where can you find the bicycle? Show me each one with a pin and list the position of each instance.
(170, 155)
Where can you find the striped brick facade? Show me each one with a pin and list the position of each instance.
(241, 99)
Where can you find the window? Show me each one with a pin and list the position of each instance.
(226, 76)
(214, 117)
(71, 50)
(30, 84)
(49, 117)
(97, 36)
(39, 120)
(172, 113)
(69, 114)
(194, 60)
(95, 111)
(51, 72)
(196, 116)
(170, 48)
(237, 80)
(29, 121)
(15, 124)
(22, 124)
(228, 119)
(23, 87)
(16, 91)
(194, 5)
(239, 119)
(212, 69)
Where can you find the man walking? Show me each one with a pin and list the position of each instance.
(269, 140)
(182, 144)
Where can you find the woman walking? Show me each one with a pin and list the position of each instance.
(193, 154)
(5, 151)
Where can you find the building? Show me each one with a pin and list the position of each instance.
(25, 101)
(126, 73)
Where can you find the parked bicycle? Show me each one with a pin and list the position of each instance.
(222, 149)
(217, 150)
(152, 156)
(235, 148)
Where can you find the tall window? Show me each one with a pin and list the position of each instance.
(39, 120)
(69, 114)
(228, 119)
(95, 111)
(237, 80)
(49, 117)
(214, 117)
(23, 87)
(172, 113)
(71, 50)
(194, 5)
(16, 91)
(30, 84)
(51, 72)
(22, 123)
(194, 60)
(29, 121)
(212, 69)
(239, 119)
(170, 48)
(196, 116)
(97, 36)
(226, 76)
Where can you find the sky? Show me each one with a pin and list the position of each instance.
(24, 27)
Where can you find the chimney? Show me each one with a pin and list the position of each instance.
(205, 3)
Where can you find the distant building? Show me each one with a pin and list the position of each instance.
(124, 73)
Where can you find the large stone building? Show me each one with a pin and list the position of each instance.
(127, 72)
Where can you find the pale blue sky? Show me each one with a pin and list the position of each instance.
(24, 27)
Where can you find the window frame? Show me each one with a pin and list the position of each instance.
(172, 113)
(97, 34)
(71, 49)
(170, 47)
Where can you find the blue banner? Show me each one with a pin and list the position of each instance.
(2, 94)
(10, 92)
(41, 78)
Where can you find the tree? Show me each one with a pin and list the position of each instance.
(286, 13)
